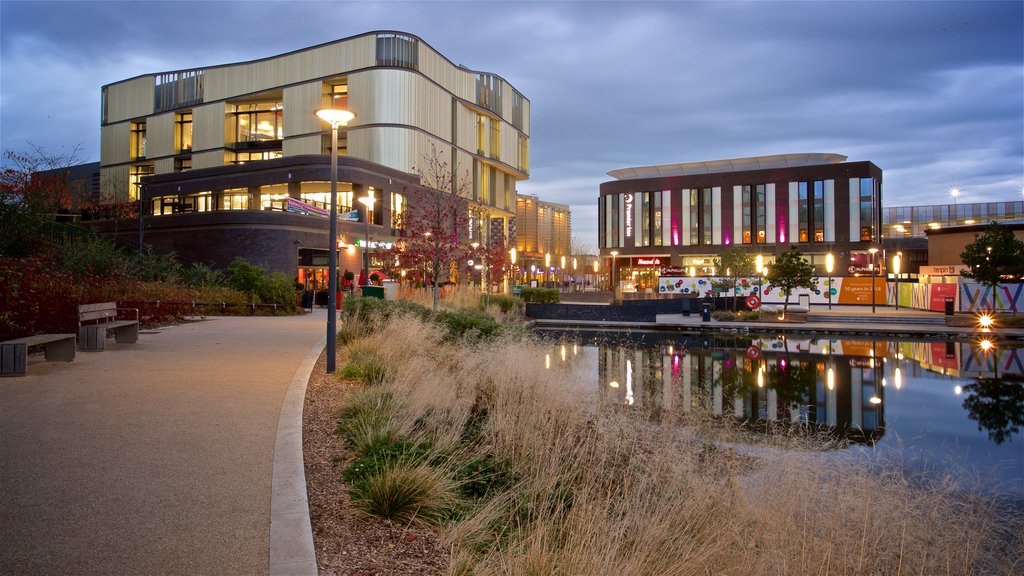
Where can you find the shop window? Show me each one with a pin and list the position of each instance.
(235, 199)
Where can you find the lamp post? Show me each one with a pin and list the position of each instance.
(873, 251)
(547, 267)
(562, 271)
(335, 117)
(512, 267)
(830, 265)
(367, 201)
(897, 260)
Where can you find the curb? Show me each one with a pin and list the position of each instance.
(291, 535)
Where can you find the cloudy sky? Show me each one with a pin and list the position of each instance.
(931, 92)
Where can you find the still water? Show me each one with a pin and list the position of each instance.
(940, 407)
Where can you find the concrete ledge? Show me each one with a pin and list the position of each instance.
(291, 535)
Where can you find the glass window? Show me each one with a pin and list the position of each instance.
(259, 122)
(802, 212)
(164, 205)
(182, 164)
(706, 218)
(138, 140)
(656, 205)
(235, 199)
(200, 202)
(694, 216)
(398, 207)
(183, 132)
(495, 138)
(135, 176)
(759, 202)
(243, 157)
(748, 216)
(819, 211)
(318, 193)
(274, 197)
(867, 189)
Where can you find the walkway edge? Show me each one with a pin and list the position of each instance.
(291, 534)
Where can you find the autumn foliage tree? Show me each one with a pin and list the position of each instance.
(436, 221)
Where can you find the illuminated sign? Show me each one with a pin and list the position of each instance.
(629, 215)
(948, 270)
(647, 261)
(375, 245)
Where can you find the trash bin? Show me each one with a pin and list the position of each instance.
(307, 300)
(705, 311)
(949, 305)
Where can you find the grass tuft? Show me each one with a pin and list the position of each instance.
(403, 492)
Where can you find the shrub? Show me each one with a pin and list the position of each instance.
(200, 275)
(266, 287)
(541, 295)
(367, 364)
(89, 254)
(467, 322)
(404, 493)
(150, 266)
(504, 302)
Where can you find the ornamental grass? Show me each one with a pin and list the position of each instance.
(530, 471)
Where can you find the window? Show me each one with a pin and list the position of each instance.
(318, 194)
(243, 157)
(274, 197)
(495, 138)
(523, 160)
(397, 210)
(183, 132)
(135, 176)
(802, 212)
(182, 164)
(867, 191)
(747, 218)
(235, 199)
(177, 90)
(200, 202)
(481, 133)
(164, 205)
(658, 223)
(138, 140)
(643, 212)
(694, 216)
(819, 211)
(397, 50)
(760, 223)
(259, 122)
(706, 218)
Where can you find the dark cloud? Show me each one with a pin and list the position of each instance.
(932, 92)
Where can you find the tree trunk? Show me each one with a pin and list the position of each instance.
(437, 295)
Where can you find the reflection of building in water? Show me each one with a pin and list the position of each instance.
(752, 382)
(971, 359)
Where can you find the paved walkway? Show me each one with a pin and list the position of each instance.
(150, 458)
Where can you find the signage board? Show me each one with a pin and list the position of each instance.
(629, 215)
(646, 261)
(947, 270)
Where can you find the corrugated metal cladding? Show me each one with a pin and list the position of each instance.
(394, 96)
(130, 99)
(332, 59)
(209, 124)
(160, 135)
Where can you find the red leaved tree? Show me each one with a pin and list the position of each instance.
(436, 220)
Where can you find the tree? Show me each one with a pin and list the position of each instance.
(994, 256)
(34, 186)
(733, 264)
(435, 219)
(789, 272)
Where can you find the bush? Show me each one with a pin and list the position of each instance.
(93, 255)
(200, 275)
(466, 322)
(540, 295)
(266, 287)
(504, 302)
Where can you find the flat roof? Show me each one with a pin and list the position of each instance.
(727, 165)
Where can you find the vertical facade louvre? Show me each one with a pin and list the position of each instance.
(397, 50)
(177, 90)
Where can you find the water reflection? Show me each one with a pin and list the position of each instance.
(808, 385)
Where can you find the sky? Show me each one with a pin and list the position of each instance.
(931, 92)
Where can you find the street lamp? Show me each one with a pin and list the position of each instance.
(874, 272)
(830, 265)
(512, 267)
(896, 261)
(562, 270)
(955, 193)
(335, 117)
(547, 266)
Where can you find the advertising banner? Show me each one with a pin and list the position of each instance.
(857, 290)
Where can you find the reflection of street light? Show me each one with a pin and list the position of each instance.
(830, 265)
(897, 260)
(612, 275)
(873, 251)
(335, 117)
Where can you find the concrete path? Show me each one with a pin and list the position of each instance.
(149, 458)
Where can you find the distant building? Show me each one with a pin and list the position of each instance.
(543, 233)
(684, 215)
(222, 156)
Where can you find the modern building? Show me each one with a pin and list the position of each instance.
(231, 160)
(916, 221)
(543, 235)
(684, 215)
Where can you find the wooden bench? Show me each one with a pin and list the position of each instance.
(14, 353)
(95, 320)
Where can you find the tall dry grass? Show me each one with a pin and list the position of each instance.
(599, 490)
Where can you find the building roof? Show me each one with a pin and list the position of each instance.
(727, 165)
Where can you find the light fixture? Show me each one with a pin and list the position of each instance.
(335, 117)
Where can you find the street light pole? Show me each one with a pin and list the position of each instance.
(611, 276)
(335, 117)
(896, 263)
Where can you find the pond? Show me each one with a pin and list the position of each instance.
(938, 407)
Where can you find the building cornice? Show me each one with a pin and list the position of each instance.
(727, 165)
